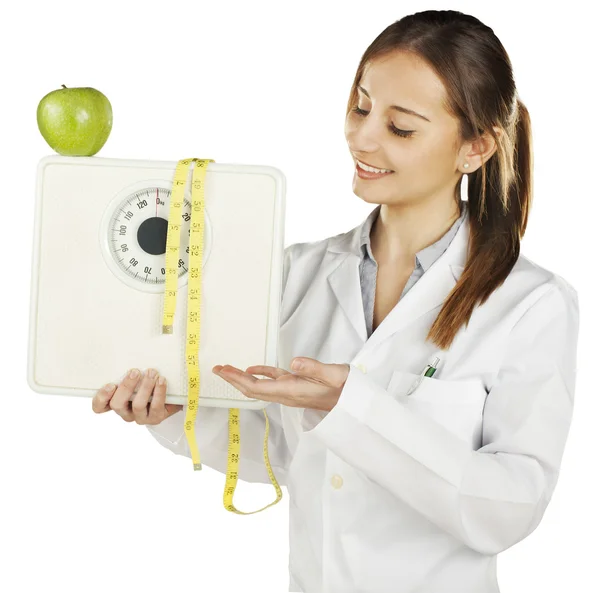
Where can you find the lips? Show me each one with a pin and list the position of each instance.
(370, 165)
(362, 174)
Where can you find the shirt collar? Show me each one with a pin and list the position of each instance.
(427, 255)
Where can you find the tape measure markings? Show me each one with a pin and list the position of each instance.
(196, 249)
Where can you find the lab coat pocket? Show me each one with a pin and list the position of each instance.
(456, 405)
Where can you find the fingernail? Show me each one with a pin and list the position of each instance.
(296, 365)
(109, 387)
(134, 373)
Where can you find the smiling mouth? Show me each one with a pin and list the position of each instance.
(364, 174)
(366, 167)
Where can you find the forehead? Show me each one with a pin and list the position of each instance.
(403, 79)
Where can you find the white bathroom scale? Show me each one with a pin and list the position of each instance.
(98, 275)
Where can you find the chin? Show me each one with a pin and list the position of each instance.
(367, 199)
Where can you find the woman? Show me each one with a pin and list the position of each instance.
(394, 489)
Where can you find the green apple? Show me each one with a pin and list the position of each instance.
(75, 121)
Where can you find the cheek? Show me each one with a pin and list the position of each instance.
(407, 157)
(430, 156)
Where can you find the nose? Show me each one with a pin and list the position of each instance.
(363, 137)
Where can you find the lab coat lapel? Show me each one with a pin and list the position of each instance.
(428, 293)
(345, 283)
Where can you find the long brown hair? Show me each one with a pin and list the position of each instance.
(481, 93)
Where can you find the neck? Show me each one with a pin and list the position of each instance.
(401, 231)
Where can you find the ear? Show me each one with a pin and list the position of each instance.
(476, 153)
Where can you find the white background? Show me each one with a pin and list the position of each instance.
(91, 503)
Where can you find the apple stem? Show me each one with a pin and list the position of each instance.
(63, 86)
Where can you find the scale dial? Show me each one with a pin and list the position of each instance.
(136, 226)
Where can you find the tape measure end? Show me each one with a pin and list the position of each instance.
(197, 466)
(167, 329)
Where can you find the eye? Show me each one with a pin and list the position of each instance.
(392, 128)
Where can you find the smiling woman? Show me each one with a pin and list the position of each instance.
(393, 488)
(411, 138)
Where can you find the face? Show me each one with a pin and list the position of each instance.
(422, 153)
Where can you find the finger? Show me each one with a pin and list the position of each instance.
(139, 404)
(120, 401)
(158, 407)
(102, 398)
(328, 374)
(265, 389)
(227, 375)
(242, 381)
(267, 371)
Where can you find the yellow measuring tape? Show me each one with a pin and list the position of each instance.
(196, 249)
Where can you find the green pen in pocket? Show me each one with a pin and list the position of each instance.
(428, 371)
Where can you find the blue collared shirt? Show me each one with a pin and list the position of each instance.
(423, 261)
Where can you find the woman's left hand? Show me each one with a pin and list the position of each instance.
(316, 385)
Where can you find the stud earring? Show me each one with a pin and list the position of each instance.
(466, 165)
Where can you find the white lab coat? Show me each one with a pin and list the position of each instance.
(392, 493)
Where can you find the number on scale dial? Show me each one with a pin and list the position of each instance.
(137, 235)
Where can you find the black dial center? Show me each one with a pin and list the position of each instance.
(152, 235)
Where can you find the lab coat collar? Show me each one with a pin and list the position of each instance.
(428, 293)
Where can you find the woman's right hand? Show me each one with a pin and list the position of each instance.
(141, 409)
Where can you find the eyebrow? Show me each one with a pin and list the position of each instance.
(398, 108)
